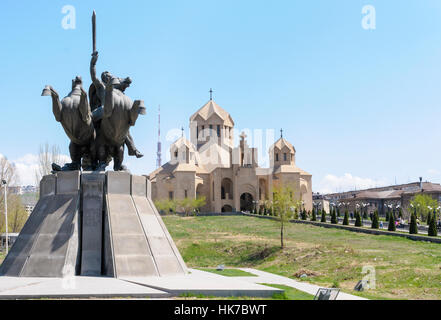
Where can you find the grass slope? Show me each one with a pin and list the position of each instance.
(290, 293)
(405, 269)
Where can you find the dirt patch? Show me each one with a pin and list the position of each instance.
(303, 245)
(243, 237)
(218, 236)
(309, 273)
(311, 254)
(263, 253)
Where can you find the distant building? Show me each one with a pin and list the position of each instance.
(320, 202)
(14, 190)
(22, 189)
(28, 189)
(11, 239)
(29, 208)
(379, 198)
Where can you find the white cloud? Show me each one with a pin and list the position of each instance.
(331, 183)
(27, 166)
(434, 172)
(28, 159)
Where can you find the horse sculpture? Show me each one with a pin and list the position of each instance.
(74, 114)
(99, 130)
(118, 115)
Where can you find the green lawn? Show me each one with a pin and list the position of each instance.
(405, 269)
(290, 293)
(229, 272)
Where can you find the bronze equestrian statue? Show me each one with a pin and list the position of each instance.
(115, 117)
(98, 131)
(97, 97)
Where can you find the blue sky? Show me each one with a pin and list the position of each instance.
(362, 107)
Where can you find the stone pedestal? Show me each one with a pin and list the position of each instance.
(94, 224)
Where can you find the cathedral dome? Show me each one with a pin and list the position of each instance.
(282, 153)
(183, 151)
(212, 108)
(182, 141)
(282, 143)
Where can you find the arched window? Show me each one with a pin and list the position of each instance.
(226, 189)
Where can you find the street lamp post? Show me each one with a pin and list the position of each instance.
(398, 206)
(430, 210)
(6, 214)
(333, 205)
(316, 205)
(255, 205)
(357, 206)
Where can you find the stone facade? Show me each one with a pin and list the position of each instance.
(229, 177)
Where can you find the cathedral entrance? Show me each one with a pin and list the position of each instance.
(246, 202)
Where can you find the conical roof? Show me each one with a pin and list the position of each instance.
(183, 141)
(211, 108)
(281, 143)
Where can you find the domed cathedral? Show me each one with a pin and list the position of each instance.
(229, 177)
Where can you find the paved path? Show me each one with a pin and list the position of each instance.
(266, 277)
(197, 282)
(74, 287)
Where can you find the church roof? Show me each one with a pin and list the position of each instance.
(186, 167)
(387, 194)
(285, 168)
(166, 168)
(282, 142)
(183, 141)
(211, 108)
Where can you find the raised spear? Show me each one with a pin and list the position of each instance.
(94, 31)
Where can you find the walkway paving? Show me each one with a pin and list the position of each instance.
(197, 282)
(266, 277)
(74, 287)
(206, 283)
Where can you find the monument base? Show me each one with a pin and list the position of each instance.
(94, 224)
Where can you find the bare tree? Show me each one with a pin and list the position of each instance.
(46, 156)
(7, 171)
(9, 174)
